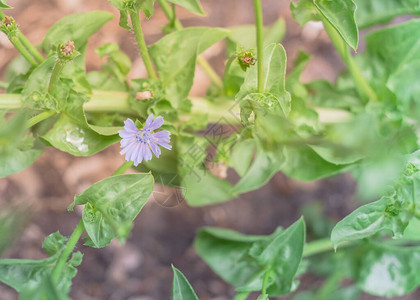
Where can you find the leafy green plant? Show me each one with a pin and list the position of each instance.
(258, 121)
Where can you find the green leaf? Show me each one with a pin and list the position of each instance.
(175, 56)
(15, 148)
(17, 160)
(195, 187)
(181, 288)
(264, 166)
(3, 4)
(54, 243)
(147, 6)
(274, 77)
(241, 156)
(75, 137)
(227, 253)
(390, 271)
(374, 12)
(193, 6)
(77, 28)
(392, 212)
(340, 14)
(243, 260)
(276, 256)
(111, 206)
(27, 276)
(394, 58)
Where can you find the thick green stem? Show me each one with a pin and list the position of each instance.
(202, 62)
(260, 27)
(135, 21)
(221, 110)
(39, 118)
(124, 167)
(363, 88)
(31, 48)
(75, 236)
(55, 75)
(19, 46)
(265, 282)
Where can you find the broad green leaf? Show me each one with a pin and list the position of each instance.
(75, 137)
(241, 155)
(227, 253)
(181, 288)
(340, 14)
(303, 163)
(3, 4)
(392, 212)
(264, 166)
(243, 260)
(390, 271)
(191, 5)
(77, 28)
(324, 94)
(390, 64)
(196, 184)
(111, 205)
(374, 12)
(17, 160)
(175, 56)
(16, 151)
(282, 256)
(118, 64)
(274, 78)
(44, 290)
(26, 275)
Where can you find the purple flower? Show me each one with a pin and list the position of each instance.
(137, 143)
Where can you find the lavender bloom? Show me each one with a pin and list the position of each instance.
(137, 143)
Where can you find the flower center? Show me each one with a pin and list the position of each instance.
(143, 136)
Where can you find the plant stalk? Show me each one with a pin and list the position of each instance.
(363, 88)
(260, 46)
(124, 167)
(75, 236)
(31, 48)
(221, 110)
(55, 75)
(202, 62)
(25, 53)
(135, 21)
(39, 118)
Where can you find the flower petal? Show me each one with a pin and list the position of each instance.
(162, 134)
(140, 155)
(127, 134)
(156, 123)
(155, 148)
(147, 153)
(166, 145)
(128, 148)
(148, 122)
(130, 126)
(127, 141)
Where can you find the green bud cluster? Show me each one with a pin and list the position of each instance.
(246, 58)
(9, 26)
(66, 52)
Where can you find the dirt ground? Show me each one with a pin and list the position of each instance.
(163, 234)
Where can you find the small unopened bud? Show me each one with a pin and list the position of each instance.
(68, 48)
(7, 21)
(249, 60)
(145, 95)
(246, 58)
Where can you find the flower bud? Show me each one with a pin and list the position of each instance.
(245, 58)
